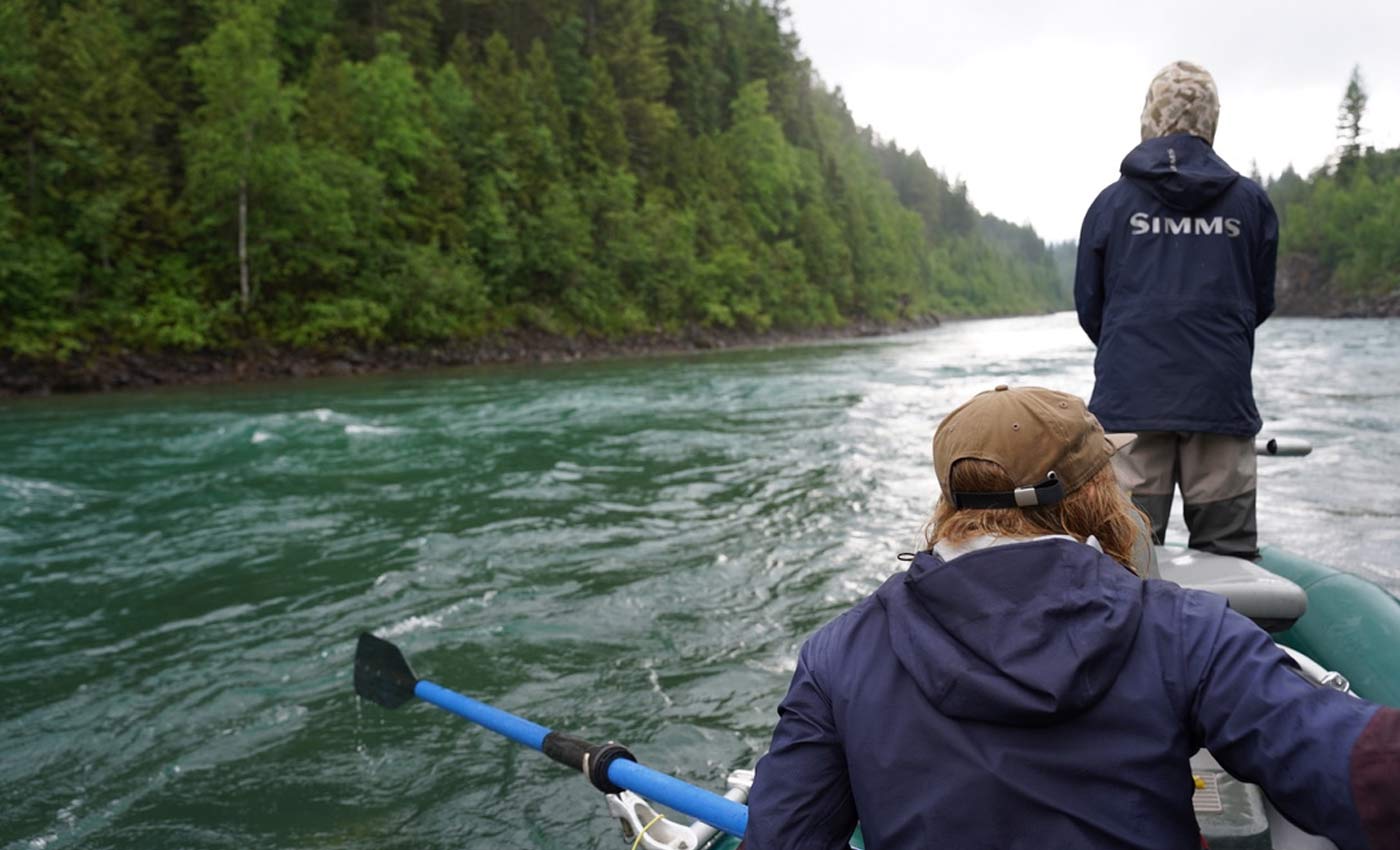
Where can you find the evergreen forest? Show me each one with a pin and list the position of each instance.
(313, 175)
(1345, 219)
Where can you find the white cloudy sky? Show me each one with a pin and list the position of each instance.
(1034, 104)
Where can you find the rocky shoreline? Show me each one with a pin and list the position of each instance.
(116, 371)
(1303, 288)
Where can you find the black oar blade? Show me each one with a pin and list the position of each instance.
(382, 674)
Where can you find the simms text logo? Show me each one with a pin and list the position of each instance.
(1186, 226)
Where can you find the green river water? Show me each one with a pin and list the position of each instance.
(627, 549)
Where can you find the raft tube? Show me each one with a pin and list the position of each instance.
(1351, 625)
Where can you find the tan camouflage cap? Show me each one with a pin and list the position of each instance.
(1034, 434)
(1181, 99)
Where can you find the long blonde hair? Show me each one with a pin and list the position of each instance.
(1099, 507)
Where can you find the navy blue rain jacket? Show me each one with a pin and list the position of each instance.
(1039, 695)
(1175, 271)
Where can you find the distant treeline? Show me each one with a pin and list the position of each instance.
(1345, 218)
(312, 174)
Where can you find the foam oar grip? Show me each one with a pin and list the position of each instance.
(707, 806)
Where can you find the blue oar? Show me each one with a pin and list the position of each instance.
(382, 676)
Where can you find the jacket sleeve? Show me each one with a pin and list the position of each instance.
(1375, 778)
(1088, 272)
(801, 795)
(1267, 725)
(1265, 264)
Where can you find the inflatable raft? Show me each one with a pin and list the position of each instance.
(1342, 632)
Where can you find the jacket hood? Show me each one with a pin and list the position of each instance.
(1180, 170)
(1026, 634)
(1181, 99)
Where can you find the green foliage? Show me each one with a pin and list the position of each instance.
(1348, 221)
(100, 188)
(35, 290)
(764, 163)
(170, 311)
(333, 321)
(636, 60)
(330, 173)
(239, 148)
(388, 126)
(1066, 257)
(602, 139)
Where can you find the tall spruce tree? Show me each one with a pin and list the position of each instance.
(1349, 115)
(103, 185)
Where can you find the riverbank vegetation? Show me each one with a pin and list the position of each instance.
(243, 175)
(1339, 230)
(1346, 221)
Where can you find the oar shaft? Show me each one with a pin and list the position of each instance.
(518, 729)
(703, 805)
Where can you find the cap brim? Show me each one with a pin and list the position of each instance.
(1118, 441)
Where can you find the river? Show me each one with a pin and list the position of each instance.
(625, 549)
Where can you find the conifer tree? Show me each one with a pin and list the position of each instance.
(636, 60)
(96, 117)
(416, 22)
(764, 162)
(603, 136)
(1349, 114)
(19, 69)
(699, 86)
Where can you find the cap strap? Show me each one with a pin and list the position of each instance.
(1047, 492)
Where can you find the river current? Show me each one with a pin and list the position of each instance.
(626, 549)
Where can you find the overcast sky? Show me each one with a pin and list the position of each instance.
(1034, 104)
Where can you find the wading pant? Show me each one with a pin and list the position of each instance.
(1217, 474)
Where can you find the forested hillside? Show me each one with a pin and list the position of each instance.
(1339, 241)
(1339, 230)
(229, 175)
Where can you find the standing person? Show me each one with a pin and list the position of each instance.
(1175, 271)
(1019, 686)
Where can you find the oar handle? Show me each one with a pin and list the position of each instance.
(703, 805)
(1282, 446)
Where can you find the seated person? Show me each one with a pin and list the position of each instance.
(1021, 686)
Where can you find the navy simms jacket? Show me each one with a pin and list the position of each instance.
(1038, 695)
(1175, 271)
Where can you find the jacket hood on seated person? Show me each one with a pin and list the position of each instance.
(1024, 633)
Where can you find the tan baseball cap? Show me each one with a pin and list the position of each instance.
(1047, 442)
